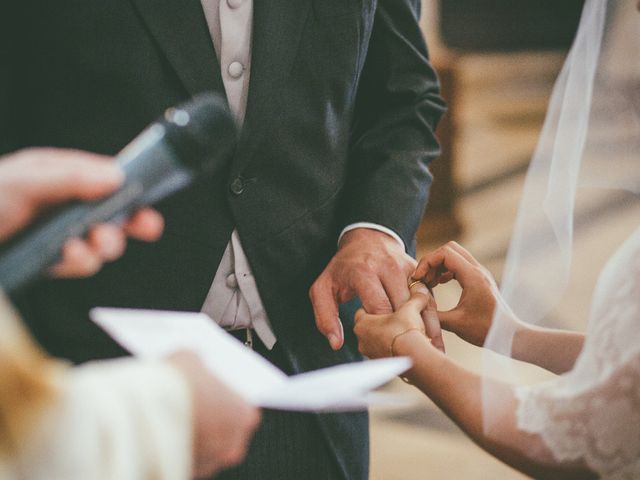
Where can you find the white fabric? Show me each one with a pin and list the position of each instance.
(234, 299)
(372, 226)
(117, 420)
(585, 174)
(235, 307)
(593, 412)
(230, 27)
(544, 226)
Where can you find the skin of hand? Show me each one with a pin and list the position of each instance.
(370, 265)
(223, 422)
(459, 393)
(456, 390)
(35, 179)
(378, 333)
(552, 349)
(472, 316)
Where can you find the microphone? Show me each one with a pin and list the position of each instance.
(190, 141)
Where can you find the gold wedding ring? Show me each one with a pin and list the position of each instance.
(414, 283)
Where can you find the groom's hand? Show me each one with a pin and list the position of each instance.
(369, 264)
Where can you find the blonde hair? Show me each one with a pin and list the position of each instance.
(26, 380)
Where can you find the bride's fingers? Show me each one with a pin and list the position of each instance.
(438, 276)
(431, 264)
(426, 268)
(463, 252)
(430, 278)
(451, 260)
(449, 320)
(420, 297)
(362, 316)
(445, 277)
(432, 327)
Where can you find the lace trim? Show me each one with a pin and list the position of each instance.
(600, 426)
(593, 412)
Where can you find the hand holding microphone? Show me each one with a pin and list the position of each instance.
(37, 178)
(190, 141)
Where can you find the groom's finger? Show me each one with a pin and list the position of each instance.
(325, 309)
(394, 281)
(372, 295)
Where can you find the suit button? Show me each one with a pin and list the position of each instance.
(235, 69)
(237, 186)
(232, 281)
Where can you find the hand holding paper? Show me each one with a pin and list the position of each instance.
(157, 334)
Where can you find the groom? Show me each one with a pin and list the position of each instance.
(321, 199)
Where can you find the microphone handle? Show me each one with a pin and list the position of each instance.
(152, 172)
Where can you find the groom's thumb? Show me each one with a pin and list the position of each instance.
(325, 309)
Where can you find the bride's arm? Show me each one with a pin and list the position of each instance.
(458, 392)
(555, 350)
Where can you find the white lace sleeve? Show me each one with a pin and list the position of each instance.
(600, 425)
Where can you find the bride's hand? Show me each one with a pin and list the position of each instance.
(471, 318)
(378, 333)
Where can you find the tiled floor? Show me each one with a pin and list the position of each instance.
(502, 106)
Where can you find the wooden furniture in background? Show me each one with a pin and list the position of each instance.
(440, 222)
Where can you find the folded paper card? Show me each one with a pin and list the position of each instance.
(156, 334)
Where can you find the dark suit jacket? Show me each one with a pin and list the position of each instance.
(339, 128)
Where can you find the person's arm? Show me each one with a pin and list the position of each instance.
(133, 419)
(398, 107)
(392, 141)
(555, 350)
(458, 392)
(115, 419)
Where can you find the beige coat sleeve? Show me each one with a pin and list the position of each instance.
(122, 419)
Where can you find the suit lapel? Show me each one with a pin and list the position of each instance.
(180, 29)
(277, 28)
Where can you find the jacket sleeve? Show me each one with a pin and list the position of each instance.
(398, 106)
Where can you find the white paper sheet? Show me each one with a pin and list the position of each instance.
(156, 334)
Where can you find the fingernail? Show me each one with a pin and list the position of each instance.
(333, 341)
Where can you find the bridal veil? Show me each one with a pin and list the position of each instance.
(584, 177)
